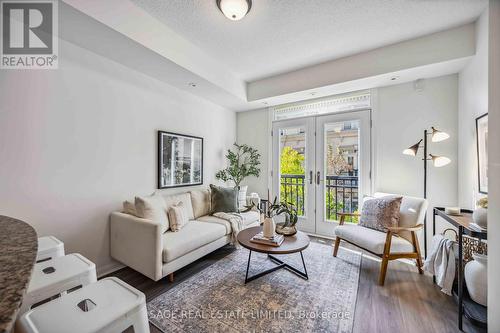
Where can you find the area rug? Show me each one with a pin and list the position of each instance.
(217, 299)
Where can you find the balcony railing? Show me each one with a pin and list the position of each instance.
(341, 194)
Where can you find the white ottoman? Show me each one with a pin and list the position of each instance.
(49, 247)
(56, 276)
(109, 305)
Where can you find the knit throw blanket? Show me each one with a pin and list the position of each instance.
(236, 221)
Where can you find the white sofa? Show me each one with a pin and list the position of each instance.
(140, 244)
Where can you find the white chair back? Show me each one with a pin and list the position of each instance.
(412, 210)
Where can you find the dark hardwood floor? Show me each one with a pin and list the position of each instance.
(408, 302)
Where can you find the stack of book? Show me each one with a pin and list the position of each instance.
(276, 240)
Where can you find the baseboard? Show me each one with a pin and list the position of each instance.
(109, 268)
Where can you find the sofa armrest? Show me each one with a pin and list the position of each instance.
(137, 243)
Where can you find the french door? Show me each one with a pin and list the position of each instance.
(322, 165)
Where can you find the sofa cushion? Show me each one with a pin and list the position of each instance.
(152, 208)
(200, 200)
(129, 208)
(224, 199)
(372, 240)
(217, 220)
(194, 235)
(185, 198)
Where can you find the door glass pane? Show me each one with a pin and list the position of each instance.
(292, 167)
(341, 169)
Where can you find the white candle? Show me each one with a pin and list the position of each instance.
(452, 210)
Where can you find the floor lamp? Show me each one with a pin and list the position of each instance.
(437, 161)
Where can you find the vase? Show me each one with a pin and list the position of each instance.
(268, 227)
(285, 230)
(476, 278)
(242, 196)
(480, 217)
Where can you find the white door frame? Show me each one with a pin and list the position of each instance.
(314, 221)
(323, 227)
(307, 222)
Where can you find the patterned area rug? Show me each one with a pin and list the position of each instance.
(217, 300)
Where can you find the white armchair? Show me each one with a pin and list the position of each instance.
(397, 242)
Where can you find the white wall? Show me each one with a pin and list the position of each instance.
(76, 141)
(494, 169)
(253, 129)
(473, 102)
(400, 116)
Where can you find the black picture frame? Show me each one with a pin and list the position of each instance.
(161, 182)
(482, 154)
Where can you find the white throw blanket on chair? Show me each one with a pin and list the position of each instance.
(441, 262)
(236, 221)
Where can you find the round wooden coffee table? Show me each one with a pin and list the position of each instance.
(291, 244)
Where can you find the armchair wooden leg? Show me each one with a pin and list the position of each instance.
(416, 246)
(383, 270)
(385, 258)
(171, 277)
(336, 246)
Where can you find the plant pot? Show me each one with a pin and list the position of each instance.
(476, 278)
(285, 231)
(480, 217)
(268, 227)
(242, 196)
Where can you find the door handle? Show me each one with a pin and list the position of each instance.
(318, 175)
(310, 177)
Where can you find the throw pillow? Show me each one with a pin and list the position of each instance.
(129, 208)
(152, 208)
(177, 217)
(224, 199)
(380, 213)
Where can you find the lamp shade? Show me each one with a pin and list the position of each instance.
(412, 151)
(438, 136)
(440, 161)
(234, 10)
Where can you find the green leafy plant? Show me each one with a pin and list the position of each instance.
(243, 162)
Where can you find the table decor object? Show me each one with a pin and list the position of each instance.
(476, 278)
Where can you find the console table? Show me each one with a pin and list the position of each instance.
(476, 313)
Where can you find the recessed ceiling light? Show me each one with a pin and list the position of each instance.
(192, 84)
(234, 10)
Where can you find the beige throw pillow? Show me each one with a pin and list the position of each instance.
(152, 208)
(129, 208)
(200, 200)
(380, 213)
(177, 216)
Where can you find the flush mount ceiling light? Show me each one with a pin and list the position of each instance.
(234, 10)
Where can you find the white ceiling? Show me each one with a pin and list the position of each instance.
(279, 36)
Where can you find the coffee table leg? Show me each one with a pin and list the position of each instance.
(291, 268)
(248, 265)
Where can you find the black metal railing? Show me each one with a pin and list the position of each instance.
(341, 194)
(292, 190)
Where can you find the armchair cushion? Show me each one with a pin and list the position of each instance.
(372, 240)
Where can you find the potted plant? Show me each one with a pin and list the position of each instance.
(243, 162)
(287, 228)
